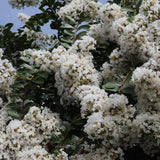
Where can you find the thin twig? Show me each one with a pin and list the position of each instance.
(17, 76)
(68, 129)
(75, 35)
(124, 80)
(50, 7)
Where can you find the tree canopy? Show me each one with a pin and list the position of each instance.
(90, 90)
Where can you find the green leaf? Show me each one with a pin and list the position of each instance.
(13, 106)
(17, 94)
(68, 33)
(83, 19)
(112, 86)
(38, 81)
(70, 19)
(13, 113)
(18, 85)
(138, 4)
(81, 34)
(24, 65)
(74, 139)
(66, 26)
(130, 19)
(67, 40)
(61, 127)
(128, 90)
(78, 121)
(28, 105)
(65, 45)
(25, 59)
(85, 27)
(56, 139)
(146, 13)
(43, 74)
(9, 26)
(129, 77)
(128, 9)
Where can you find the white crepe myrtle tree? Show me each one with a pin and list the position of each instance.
(90, 91)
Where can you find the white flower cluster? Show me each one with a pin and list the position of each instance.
(146, 132)
(108, 14)
(7, 72)
(77, 7)
(26, 139)
(151, 9)
(138, 42)
(23, 17)
(72, 67)
(37, 152)
(112, 124)
(39, 38)
(99, 154)
(42, 58)
(60, 155)
(4, 118)
(110, 118)
(76, 78)
(147, 86)
(21, 3)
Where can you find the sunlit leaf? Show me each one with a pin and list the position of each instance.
(67, 40)
(81, 34)
(84, 27)
(68, 32)
(13, 113)
(65, 45)
(66, 26)
(70, 19)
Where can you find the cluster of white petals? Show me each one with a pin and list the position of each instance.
(76, 8)
(72, 67)
(28, 138)
(110, 118)
(40, 58)
(99, 153)
(147, 87)
(39, 38)
(7, 74)
(76, 79)
(23, 17)
(145, 130)
(112, 125)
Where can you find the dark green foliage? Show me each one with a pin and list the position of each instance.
(12, 43)
(72, 30)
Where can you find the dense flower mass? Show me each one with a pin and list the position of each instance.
(28, 138)
(7, 72)
(113, 118)
(76, 8)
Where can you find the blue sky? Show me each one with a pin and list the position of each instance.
(9, 15)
